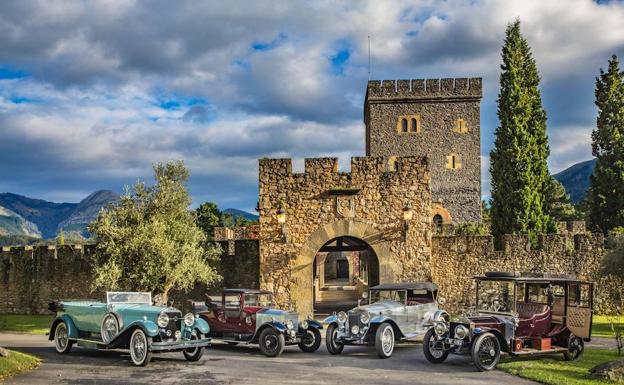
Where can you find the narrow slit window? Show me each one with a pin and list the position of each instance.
(414, 125)
(403, 125)
(453, 162)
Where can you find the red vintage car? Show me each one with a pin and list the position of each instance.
(519, 314)
(248, 316)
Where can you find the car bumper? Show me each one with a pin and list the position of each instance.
(179, 345)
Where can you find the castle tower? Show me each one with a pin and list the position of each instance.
(439, 119)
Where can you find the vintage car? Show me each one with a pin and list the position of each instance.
(400, 311)
(519, 314)
(127, 320)
(248, 316)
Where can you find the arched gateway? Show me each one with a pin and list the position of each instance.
(303, 215)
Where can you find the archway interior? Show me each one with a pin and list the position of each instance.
(344, 268)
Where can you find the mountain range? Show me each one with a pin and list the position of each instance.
(575, 179)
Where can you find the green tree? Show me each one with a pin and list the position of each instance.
(208, 217)
(150, 240)
(520, 176)
(60, 238)
(559, 205)
(606, 192)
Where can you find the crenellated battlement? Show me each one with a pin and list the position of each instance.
(419, 89)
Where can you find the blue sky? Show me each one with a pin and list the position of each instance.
(93, 93)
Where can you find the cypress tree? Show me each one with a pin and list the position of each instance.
(520, 177)
(606, 193)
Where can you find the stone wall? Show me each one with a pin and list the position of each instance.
(438, 103)
(322, 204)
(456, 259)
(30, 277)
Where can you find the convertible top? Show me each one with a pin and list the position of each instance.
(406, 286)
(246, 291)
(528, 277)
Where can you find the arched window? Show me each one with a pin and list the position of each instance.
(414, 125)
(438, 221)
(403, 125)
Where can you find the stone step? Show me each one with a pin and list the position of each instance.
(326, 296)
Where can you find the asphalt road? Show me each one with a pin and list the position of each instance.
(223, 364)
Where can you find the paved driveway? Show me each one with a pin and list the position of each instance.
(245, 365)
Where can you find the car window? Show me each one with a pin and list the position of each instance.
(496, 296)
(232, 300)
(415, 297)
(388, 295)
(261, 300)
(536, 293)
(585, 293)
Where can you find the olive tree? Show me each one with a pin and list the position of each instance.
(150, 240)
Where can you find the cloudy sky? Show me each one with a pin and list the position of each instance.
(93, 92)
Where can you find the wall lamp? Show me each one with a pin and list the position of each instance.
(281, 219)
(408, 214)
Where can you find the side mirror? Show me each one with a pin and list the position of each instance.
(365, 295)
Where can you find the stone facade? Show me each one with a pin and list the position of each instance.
(322, 204)
(447, 112)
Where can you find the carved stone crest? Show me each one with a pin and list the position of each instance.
(345, 206)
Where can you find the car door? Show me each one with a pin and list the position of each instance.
(579, 311)
(232, 312)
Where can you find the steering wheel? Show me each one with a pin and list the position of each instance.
(496, 305)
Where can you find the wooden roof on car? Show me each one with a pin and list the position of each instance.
(528, 277)
(407, 286)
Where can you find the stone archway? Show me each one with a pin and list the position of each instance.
(302, 288)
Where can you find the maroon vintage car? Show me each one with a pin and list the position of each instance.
(519, 314)
(248, 316)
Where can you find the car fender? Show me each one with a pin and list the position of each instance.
(501, 339)
(331, 319)
(72, 330)
(315, 324)
(378, 320)
(433, 316)
(202, 326)
(278, 326)
(149, 328)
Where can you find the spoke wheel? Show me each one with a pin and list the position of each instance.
(576, 348)
(140, 349)
(433, 349)
(62, 343)
(486, 352)
(384, 340)
(194, 354)
(310, 341)
(110, 328)
(271, 342)
(334, 346)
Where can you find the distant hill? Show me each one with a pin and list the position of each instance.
(47, 218)
(575, 179)
(241, 213)
(12, 223)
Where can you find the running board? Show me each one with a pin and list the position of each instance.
(530, 352)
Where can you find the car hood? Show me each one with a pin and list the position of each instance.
(378, 307)
(126, 308)
(483, 319)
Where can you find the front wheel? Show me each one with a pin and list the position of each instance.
(384, 340)
(486, 352)
(334, 346)
(310, 341)
(194, 354)
(271, 342)
(576, 347)
(62, 343)
(140, 348)
(433, 350)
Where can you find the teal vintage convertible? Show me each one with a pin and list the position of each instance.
(128, 320)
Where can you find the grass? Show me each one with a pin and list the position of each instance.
(554, 370)
(17, 363)
(37, 324)
(602, 325)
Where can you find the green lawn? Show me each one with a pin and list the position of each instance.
(554, 370)
(602, 325)
(17, 363)
(38, 324)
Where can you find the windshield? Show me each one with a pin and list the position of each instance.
(129, 297)
(496, 296)
(387, 295)
(260, 300)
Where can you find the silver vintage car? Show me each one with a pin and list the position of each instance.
(399, 311)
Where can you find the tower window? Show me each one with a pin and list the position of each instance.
(438, 221)
(408, 123)
(453, 162)
(460, 126)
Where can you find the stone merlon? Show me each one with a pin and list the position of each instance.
(421, 89)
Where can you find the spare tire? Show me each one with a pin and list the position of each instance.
(502, 274)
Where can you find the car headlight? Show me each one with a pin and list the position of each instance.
(304, 324)
(189, 319)
(355, 329)
(365, 318)
(163, 320)
(461, 332)
(342, 317)
(289, 324)
(440, 328)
